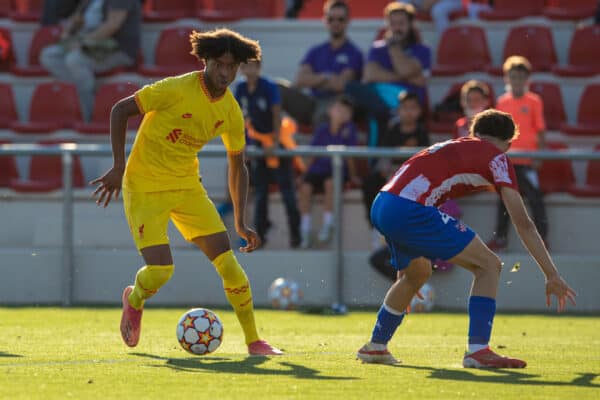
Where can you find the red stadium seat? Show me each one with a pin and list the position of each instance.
(168, 10)
(592, 180)
(8, 169)
(44, 36)
(54, 105)
(513, 9)
(8, 110)
(172, 55)
(106, 96)
(554, 109)
(570, 9)
(7, 55)
(462, 49)
(556, 175)
(532, 42)
(45, 174)
(233, 10)
(588, 118)
(6, 8)
(583, 53)
(27, 10)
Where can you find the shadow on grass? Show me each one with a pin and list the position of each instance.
(505, 376)
(4, 354)
(249, 365)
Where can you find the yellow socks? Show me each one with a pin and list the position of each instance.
(238, 292)
(147, 282)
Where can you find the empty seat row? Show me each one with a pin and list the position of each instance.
(464, 49)
(45, 173)
(55, 105)
(165, 10)
(557, 176)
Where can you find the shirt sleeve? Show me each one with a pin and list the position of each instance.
(235, 138)
(274, 94)
(424, 57)
(159, 95)
(309, 57)
(503, 172)
(372, 55)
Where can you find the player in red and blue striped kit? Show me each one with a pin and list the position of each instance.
(406, 213)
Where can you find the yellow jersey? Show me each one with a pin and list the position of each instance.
(180, 117)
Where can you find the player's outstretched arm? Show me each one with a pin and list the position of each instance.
(109, 184)
(555, 284)
(238, 188)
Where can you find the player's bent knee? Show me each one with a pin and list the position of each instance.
(419, 271)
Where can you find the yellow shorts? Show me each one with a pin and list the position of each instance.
(148, 214)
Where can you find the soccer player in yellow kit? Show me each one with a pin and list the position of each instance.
(161, 181)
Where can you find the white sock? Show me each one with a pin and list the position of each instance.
(327, 218)
(391, 310)
(473, 348)
(378, 346)
(305, 223)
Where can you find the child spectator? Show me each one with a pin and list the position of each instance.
(527, 110)
(474, 98)
(261, 103)
(339, 130)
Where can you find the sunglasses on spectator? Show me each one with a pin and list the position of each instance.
(337, 19)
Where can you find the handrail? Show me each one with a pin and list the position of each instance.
(337, 153)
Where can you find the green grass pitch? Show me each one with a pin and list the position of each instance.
(54, 353)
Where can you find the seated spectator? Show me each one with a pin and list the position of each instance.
(99, 36)
(439, 10)
(527, 109)
(324, 70)
(55, 11)
(474, 98)
(260, 101)
(404, 129)
(395, 64)
(339, 130)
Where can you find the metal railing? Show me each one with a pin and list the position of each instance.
(337, 153)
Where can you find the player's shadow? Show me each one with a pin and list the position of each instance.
(249, 365)
(4, 354)
(513, 376)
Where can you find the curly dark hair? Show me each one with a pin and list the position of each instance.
(213, 44)
(496, 124)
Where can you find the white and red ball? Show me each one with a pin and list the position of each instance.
(199, 331)
(285, 294)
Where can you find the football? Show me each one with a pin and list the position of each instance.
(425, 305)
(285, 294)
(199, 331)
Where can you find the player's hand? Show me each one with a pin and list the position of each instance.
(556, 286)
(252, 239)
(109, 185)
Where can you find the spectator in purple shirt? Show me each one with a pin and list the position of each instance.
(324, 70)
(395, 64)
(339, 130)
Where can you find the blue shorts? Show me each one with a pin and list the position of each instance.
(413, 230)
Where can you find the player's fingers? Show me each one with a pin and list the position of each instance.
(98, 190)
(107, 200)
(102, 195)
(97, 180)
(571, 297)
(561, 304)
(419, 295)
(547, 300)
(117, 191)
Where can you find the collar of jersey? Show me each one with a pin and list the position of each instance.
(205, 89)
